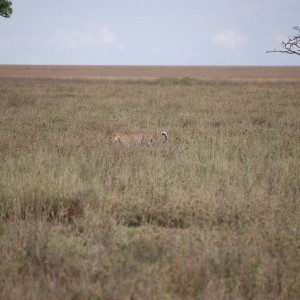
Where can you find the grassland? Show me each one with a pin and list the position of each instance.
(213, 214)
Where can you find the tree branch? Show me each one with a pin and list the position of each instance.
(292, 46)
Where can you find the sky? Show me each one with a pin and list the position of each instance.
(148, 32)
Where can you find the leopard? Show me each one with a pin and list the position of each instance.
(137, 139)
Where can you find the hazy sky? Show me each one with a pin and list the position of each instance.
(148, 32)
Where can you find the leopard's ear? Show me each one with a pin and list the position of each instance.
(116, 137)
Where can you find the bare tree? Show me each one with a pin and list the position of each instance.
(292, 46)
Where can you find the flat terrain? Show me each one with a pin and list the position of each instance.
(212, 214)
(257, 74)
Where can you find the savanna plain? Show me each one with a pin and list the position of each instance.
(212, 214)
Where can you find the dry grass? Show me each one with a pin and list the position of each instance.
(235, 74)
(213, 214)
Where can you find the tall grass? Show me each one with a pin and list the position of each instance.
(213, 214)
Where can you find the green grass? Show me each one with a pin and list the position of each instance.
(212, 214)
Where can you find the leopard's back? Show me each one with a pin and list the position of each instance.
(136, 139)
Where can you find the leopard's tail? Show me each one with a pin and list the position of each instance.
(166, 136)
